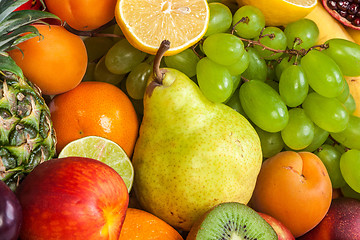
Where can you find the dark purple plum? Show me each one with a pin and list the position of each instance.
(10, 213)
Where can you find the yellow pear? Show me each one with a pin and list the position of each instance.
(191, 154)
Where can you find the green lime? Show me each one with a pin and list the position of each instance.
(105, 151)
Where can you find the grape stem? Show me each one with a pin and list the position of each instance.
(292, 51)
(95, 32)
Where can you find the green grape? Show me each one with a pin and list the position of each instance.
(137, 80)
(234, 103)
(122, 57)
(320, 136)
(284, 63)
(223, 48)
(274, 84)
(102, 74)
(220, 18)
(97, 47)
(347, 191)
(263, 105)
(350, 136)
(248, 21)
(300, 130)
(350, 104)
(349, 166)
(240, 66)
(271, 70)
(330, 156)
(346, 54)
(274, 38)
(271, 143)
(323, 74)
(293, 86)
(257, 68)
(236, 81)
(344, 93)
(89, 74)
(303, 33)
(184, 61)
(214, 80)
(327, 113)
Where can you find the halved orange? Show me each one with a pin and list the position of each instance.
(281, 12)
(146, 23)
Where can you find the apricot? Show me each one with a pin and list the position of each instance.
(83, 15)
(56, 62)
(294, 188)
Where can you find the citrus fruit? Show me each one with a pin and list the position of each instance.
(143, 225)
(56, 62)
(104, 150)
(147, 23)
(281, 12)
(94, 109)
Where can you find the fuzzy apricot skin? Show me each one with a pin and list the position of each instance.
(56, 61)
(83, 15)
(294, 188)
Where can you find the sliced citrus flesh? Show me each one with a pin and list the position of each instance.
(104, 150)
(146, 23)
(281, 12)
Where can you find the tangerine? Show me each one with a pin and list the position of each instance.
(143, 225)
(56, 62)
(94, 109)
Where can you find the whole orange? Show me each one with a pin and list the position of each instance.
(56, 62)
(83, 15)
(294, 188)
(143, 225)
(97, 109)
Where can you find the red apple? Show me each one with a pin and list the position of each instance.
(342, 222)
(72, 198)
(31, 4)
(281, 230)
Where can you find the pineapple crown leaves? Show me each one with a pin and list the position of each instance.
(15, 28)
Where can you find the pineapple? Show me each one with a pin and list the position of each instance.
(27, 137)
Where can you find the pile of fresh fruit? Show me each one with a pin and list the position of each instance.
(179, 119)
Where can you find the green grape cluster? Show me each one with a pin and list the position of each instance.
(291, 90)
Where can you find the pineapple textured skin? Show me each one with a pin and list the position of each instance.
(27, 136)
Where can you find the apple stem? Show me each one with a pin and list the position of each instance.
(164, 46)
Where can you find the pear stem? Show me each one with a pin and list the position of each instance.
(164, 46)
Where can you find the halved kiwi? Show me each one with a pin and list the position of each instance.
(231, 221)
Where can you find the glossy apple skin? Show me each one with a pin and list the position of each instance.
(30, 5)
(281, 230)
(342, 222)
(10, 213)
(72, 198)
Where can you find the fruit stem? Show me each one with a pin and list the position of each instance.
(164, 46)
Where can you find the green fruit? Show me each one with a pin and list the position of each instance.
(231, 221)
(104, 150)
(191, 154)
(27, 137)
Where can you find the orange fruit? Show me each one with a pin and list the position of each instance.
(281, 12)
(94, 109)
(56, 62)
(146, 23)
(83, 15)
(142, 225)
